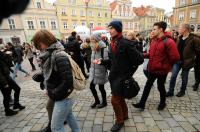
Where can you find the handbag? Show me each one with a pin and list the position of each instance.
(130, 88)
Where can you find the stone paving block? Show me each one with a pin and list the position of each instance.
(107, 127)
(26, 129)
(146, 114)
(108, 119)
(98, 121)
(157, 117)
(82, 114)
(3, 126)
(87, 129)
(187, 126)
(37, 127)
(88, 124)
(7, 130)
(32, 121)
(138, 119)
(162, 125)
(109, 112)
(154, 129)
(90, 117)
(129, 123)
(193, 120)
(38, 115)
(97, 128)
(149, 122)
(22, 124)
(178, 129)
(171, 122)
(100, 114)
(141, 127)
(165, 114)
(130, 129)
(197, 127)
(179, 118)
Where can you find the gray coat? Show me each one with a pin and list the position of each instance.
(98, 73)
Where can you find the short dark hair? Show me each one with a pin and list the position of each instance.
(161, 24)
(73, 34)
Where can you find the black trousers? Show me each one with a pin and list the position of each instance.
(7, 92)
(94, 92)
(31, 62)
(87, 62)
(197, 71)
(161, 87)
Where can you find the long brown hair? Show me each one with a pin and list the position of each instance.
(43, 36)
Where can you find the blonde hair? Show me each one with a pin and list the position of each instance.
(132, 34)
(43, 36)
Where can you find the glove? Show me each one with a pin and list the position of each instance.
(42, 86)
(38, 77)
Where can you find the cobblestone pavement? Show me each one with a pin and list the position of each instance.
(182, 114)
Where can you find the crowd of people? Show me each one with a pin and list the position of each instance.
(101, 60)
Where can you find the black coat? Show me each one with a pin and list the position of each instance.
(123, 64)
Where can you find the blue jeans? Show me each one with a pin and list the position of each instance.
(176, 68)
(18, 67)
(63, 111)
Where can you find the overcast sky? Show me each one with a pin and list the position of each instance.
(165, 4)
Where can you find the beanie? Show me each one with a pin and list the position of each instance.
(117, 25)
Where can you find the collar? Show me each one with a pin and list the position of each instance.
(119, 36)
(184, 38)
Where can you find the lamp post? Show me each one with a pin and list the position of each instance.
(86, 8)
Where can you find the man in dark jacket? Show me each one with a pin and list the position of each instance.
(162, 55)
(123, 57)
(73, 48)
(197, 73)
(188, 46)
(7, 84)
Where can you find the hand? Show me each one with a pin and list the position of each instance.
(97, 61)
(45, 92)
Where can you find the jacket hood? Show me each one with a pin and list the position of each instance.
(168, 35)
(55, 46)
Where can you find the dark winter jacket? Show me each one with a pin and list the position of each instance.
(17, 55)
(57, 72)
(122, 64)
(162, 55)
(191, 49)
(4, 70)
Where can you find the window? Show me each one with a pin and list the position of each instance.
(65, 25)
(74, 24)
(136, 25)
(99, 14)
(91, 25)
(38, 5)
(193, 14)
(106, 14)
(72, 1)
(99, 24)
(11, 23)
(53, 25)
(81, 13)
(194, 1)
(181, 16)
(90, 13)
(30, 25)
(73, 12)
(182, 2)
(42, 24)
(99, 2)
(63, 12)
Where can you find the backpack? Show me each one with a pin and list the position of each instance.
(79, 81)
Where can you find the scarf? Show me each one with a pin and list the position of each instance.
(113, 45)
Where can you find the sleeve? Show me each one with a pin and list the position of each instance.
(136, 57)
(197, 45)
(3, 80)
(172, 51)
(65, 71)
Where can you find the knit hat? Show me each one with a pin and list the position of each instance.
(117, 25)
(97, 36)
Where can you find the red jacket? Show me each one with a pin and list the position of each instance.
(162, 56)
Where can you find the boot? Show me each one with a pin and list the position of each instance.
(102, 105)
(47, 128)
(116, 127)
(195, 87)
(180, 94)
(161, 106)
(10, 112)
(138, 105)
(95, 104)
(18, 106)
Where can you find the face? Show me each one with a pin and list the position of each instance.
(151, 35)
(175, 35)
(156, 31)
(113, 32)
(181, 29)
(129, 36)
(43, 46)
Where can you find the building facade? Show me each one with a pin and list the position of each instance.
(187, 11)
(72, 13)
(124, 12)
(21, 28)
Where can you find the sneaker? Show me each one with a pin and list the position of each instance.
(18, 106)
(138, 105)
(181, 94)
(102, 105)
(10, 112)
(94, 105)
(161, 106)
(169, 94)
(116, 127)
